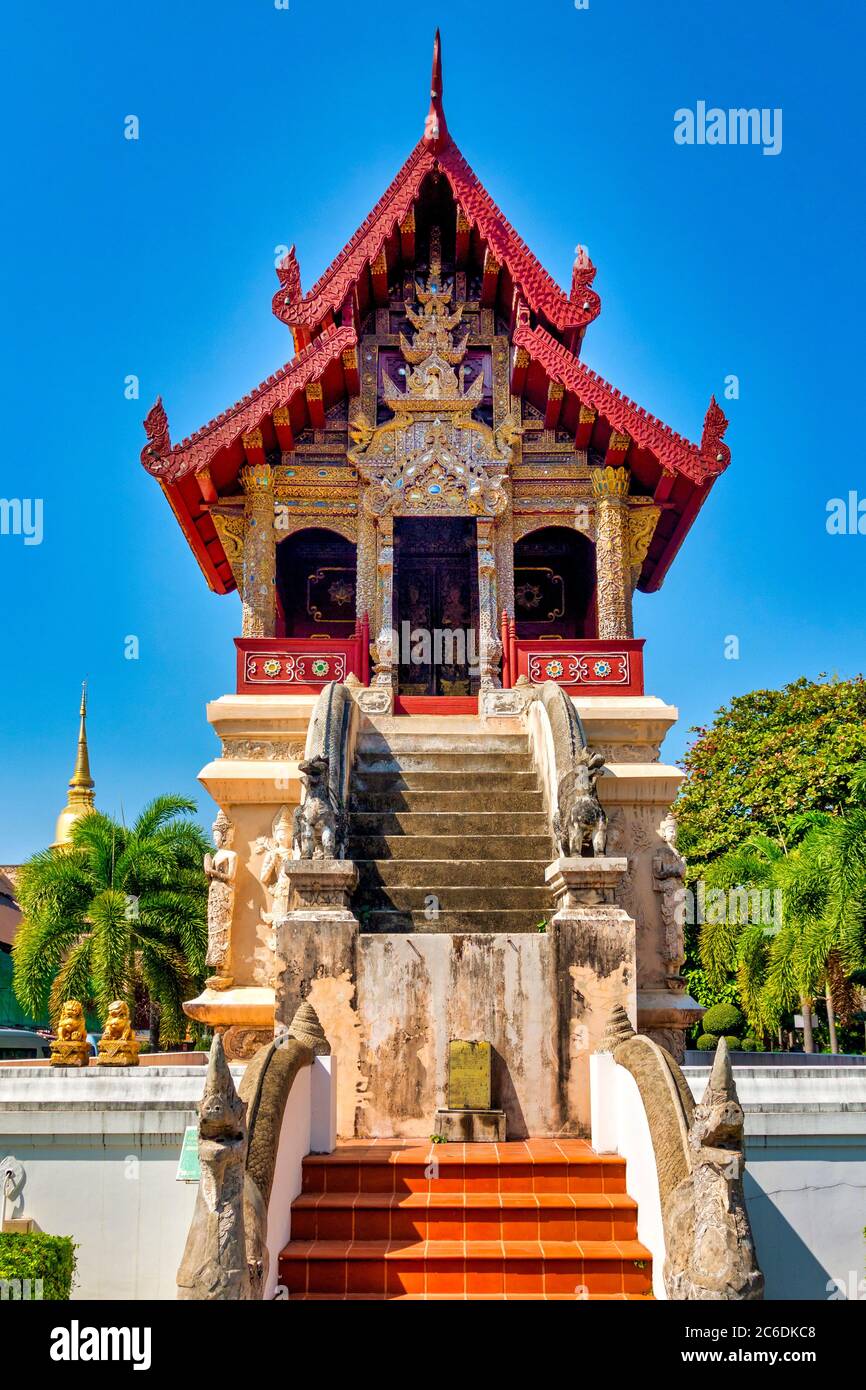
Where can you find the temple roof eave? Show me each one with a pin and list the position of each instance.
(700, 463)
(170, 463)
(308, 312)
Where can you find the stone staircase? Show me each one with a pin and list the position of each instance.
(540, 1219)
(447, 827)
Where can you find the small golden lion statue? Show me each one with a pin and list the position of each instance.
(118, 1046)
(70, 1048)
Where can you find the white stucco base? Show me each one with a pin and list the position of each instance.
(100, 1152)
(805, 1176)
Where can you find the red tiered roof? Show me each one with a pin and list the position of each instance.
(548, 328)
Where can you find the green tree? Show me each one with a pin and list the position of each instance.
(767, 758)
(118, 910)
(820, 941)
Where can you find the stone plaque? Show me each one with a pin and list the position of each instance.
(468, 1075)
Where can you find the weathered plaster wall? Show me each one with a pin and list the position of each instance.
(417, 992)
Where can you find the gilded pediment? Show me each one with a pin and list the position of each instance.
(433, 455)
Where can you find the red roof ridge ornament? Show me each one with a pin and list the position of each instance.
(289, 276)
(435, 126)
(583, 273)
(158, 437)
(713, 447)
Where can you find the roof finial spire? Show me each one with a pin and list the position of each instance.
(81, 775)
(80, 799)
(435, 127)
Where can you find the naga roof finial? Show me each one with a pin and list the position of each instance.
(713, 447)
(435, 126)
(158, 438)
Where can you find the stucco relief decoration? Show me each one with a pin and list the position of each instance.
(669, 869)
(221, 870)
(278, 856)
(433, 456)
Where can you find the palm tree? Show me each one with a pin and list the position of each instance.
(729, 944)
(116, 910)
(825, 893)
(822, 939)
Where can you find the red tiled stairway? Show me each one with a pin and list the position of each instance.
(544, 1219)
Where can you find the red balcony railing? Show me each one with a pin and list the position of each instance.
(301, 665)
(591, 665)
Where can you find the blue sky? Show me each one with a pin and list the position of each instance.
(261, 126)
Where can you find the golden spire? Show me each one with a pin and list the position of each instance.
(81, 798)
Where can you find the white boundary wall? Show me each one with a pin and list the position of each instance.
(619, 1125)
(100, 1150)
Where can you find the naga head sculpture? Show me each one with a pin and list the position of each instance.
(314, 775)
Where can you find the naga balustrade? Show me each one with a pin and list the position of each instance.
(302, 665)
(591, 665)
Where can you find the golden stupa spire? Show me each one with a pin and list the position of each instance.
(80, 799)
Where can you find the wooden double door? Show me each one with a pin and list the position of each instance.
(436, 602)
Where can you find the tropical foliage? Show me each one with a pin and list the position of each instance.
(118, 912)
(768, 758)
(772, 818)
(816, 943)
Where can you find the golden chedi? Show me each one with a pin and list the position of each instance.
(118, 1046)
(80, 799)
(70, 1048)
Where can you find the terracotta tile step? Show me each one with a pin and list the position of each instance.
(456, 1177)
(593, 1251)
(470, 1297)
(537, 1149)
(464, 1216)
(459, 1267)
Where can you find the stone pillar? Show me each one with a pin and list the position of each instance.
(595, 969)
(384, 656)
(489, 645)
(315, 962)
(260, 551)
(610, 487)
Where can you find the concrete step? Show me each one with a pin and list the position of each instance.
(448, 874)
(446, 742)
(450, 899)
(379, 780)
(444, 760)
(455, 803)
(466, 922)
(450, 724)
(424, 824)
(452, 847)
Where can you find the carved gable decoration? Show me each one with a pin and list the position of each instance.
(433, 455)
